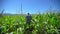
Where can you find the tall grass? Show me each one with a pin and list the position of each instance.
(48, 23)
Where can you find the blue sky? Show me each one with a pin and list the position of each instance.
(31, 6)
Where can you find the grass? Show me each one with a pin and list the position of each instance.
(40, 24)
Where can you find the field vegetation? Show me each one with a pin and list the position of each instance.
(48, 23)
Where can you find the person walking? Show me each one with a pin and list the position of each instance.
(28, 19)
(28, 22)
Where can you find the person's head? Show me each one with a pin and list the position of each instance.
(28, 13)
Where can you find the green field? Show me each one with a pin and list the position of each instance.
(48, 23)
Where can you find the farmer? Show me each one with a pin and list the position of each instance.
(28, 19)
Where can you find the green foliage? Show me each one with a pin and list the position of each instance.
(41, 24)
